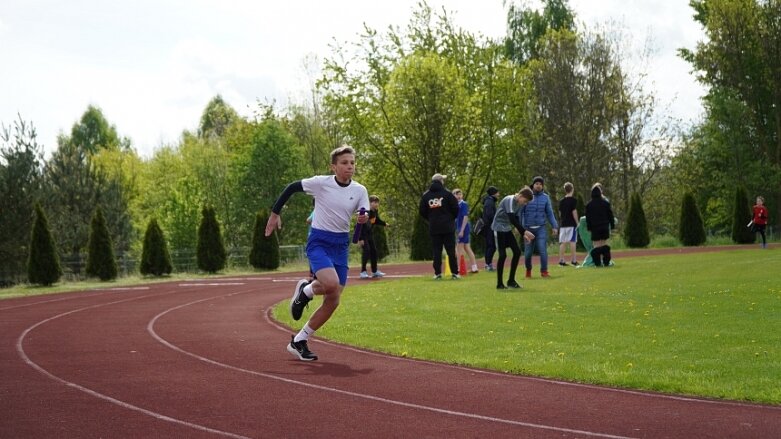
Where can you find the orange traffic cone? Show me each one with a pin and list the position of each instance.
(462, 266)
(447, 267)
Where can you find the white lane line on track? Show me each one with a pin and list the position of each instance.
(151, 330)
(41, 302)
(123, 404)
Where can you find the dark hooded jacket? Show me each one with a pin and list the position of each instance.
(489, 210)
(440, 208)
(599, 215)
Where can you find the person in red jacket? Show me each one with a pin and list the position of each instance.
(760, 219)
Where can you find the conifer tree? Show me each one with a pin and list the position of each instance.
(420, 241)
(636, 231)
(155, 259)
(692, 230)
(265, 249)
(380, 241)
(100, 256)
(43, 264)
(210, 253)
(741, 215)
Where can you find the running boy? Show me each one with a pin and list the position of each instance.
(338, 198)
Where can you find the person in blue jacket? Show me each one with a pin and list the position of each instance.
(534, 217)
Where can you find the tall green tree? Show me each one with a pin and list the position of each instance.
(526, 27)
(155, 258)
(691, 229)
(420, 96)
(21, 179)
(740, 63)
(72, 191)
(577, 87)
(101, 262)
(43, 263)
(172, 194)
(93, 132)
(211, 254)
(216, 119)
(742, 214)
(77, 180)
(267, 157)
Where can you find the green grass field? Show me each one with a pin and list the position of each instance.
(706, 324)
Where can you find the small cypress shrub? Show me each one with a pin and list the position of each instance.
(380, 235)
(43, 263)
(692, 230)
(100, 250)
(265, 249)
(636, 230)
(741, 215)
(478, 241)
(420, 241)
(155, 259)
(210, 253)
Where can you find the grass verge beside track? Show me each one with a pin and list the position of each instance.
(703, 324)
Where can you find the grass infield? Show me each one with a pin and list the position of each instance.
(705, 324)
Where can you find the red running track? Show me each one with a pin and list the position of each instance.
(202, 358)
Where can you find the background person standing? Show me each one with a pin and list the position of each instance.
(505, 219)
(534, 218)
(369, 253)
(568, 234)
(599, 221)
(463, 232)
(439, 207)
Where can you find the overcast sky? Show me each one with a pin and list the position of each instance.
(153, 65)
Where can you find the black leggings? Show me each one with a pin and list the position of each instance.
(490, 245)
(760, 228)
(504, 240)
(369, 254)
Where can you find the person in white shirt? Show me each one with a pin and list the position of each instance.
(339, 197)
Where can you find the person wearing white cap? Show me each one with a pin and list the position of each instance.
(440, 208)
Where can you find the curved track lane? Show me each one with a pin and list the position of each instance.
(202, 358)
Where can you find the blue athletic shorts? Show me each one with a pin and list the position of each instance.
(465, 239)
(329, 250)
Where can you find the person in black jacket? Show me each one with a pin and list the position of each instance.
(440, 207)
(366, 241)
(599, 221)
(489, 211)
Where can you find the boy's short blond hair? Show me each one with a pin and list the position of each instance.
(568, 187)
(373, 198)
